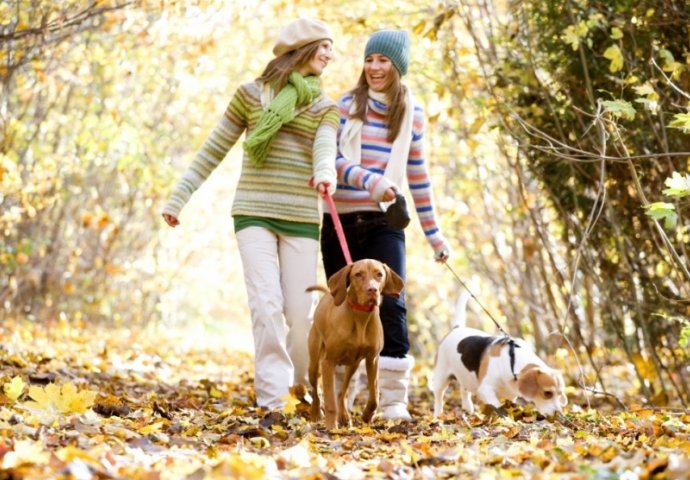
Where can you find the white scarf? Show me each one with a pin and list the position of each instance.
(350, 144)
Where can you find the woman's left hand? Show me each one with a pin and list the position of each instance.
(442, 252)
(389, 195)
(442, 256)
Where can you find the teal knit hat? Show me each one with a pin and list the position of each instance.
(394, 44)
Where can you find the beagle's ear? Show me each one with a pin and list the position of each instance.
(563, 399)
(528, 382)
(393, 285)
(338, 284)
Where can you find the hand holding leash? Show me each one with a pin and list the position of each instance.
(442, 256)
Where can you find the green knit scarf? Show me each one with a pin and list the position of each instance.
(299, 91)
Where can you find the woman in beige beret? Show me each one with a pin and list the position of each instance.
(289, 156)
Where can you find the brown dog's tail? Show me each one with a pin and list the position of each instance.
(319, 288)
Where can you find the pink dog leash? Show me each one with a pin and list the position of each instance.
(338, 226)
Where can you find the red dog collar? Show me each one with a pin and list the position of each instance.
(360, 308)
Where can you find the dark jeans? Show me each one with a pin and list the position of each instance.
(369, 236)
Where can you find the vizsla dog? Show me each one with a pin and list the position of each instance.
(347, 328)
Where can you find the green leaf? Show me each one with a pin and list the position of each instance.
(663, 211)
(646, 90)
(681, 121)
(647, 97)
(616, 33)
(614, 54)
(667, 56)
(684, 336)
(620, 108)
(678, 185)
(651, 105)
(574, 33)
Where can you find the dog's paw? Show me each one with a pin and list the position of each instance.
(330, 424)
(344, 420)
(315, 412)
(367, 415)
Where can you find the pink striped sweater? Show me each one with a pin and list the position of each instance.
(362, 185)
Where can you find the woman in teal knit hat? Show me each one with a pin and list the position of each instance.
(289, 155)
(380, 148)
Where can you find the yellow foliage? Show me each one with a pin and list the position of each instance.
(60, 400)
(14, 388)
(614, 54)
(69, 288)
(153, 428)
(103, 220)
(71, 453)
(5, 14)
(290, 404)
(260, 442)
(242, 466)
(86, 219)
(645, 367)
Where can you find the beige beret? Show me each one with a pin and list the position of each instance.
(299, 33)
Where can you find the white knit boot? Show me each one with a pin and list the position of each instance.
(394, 380)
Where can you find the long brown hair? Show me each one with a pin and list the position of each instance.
(395, 91)
(279, 69)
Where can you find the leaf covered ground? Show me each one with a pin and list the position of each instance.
(86, 403)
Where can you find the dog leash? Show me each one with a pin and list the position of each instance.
(511, 343)
(457, 277)
(338, 226)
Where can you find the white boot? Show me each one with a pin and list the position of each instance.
(358, 382)
(394, 379)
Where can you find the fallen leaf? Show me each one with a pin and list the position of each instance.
(14, 388)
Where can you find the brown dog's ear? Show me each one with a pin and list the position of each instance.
(338, 284)
(528, 381)
(393, 285)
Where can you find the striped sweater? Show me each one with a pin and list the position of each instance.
(362, 185)
(279, 189)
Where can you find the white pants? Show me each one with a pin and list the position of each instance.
(277, 271)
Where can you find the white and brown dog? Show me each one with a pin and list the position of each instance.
(493, 368)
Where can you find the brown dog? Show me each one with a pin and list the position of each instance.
(345, 332)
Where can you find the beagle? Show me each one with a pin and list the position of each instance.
(493, 368)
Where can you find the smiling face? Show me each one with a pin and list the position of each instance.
(317, 63)
(378, 70)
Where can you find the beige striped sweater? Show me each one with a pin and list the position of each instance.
(279, 189)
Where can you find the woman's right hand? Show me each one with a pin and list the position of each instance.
(171, 220)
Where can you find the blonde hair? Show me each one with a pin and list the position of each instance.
(395, 91)
(279, 69)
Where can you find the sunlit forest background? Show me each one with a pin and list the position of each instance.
(558, 138)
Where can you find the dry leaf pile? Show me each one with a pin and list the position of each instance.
(80, 403)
